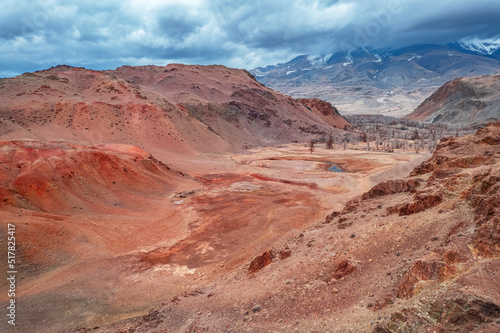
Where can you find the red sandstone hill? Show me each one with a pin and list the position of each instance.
(174, 108)
(464, 100)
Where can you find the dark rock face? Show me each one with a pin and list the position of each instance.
(420, 271)
(391, 187)
(459, 313)
(421, 203)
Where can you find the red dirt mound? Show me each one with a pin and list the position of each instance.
(70, 179)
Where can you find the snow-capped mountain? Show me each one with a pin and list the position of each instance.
(376, 80)
(484, 48)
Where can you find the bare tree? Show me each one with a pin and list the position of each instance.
(432, 145)
(329, 142)
(415, 135)
(363, 136)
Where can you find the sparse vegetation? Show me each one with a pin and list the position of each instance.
(329, 142)
(311, 146)
(390, 133)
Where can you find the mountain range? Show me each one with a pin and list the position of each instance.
(391, 82)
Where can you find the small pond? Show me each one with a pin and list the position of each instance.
(334, 167)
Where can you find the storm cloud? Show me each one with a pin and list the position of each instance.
(107, 34)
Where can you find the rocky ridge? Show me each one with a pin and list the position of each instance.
(464, 100)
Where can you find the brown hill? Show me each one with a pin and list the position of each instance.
(326, 111)
(465, 100)
(176, 108)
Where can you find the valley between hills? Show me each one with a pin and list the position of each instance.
(195, 199)
(171, 236)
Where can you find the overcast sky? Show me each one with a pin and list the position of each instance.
(105, 34)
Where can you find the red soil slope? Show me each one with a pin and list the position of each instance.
(175, 108)
(69, 179)
(419, 254)
(105, 232)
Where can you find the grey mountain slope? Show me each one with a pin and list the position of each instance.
(377, 81)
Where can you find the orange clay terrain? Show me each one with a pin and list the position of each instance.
(106, 232)
(270, 246)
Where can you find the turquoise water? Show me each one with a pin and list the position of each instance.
(334, 168)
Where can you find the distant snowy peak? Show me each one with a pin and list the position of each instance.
(318, 60)
(484, 48)
(364, 54)
(358, 64)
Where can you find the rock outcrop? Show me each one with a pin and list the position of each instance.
(391, 187)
